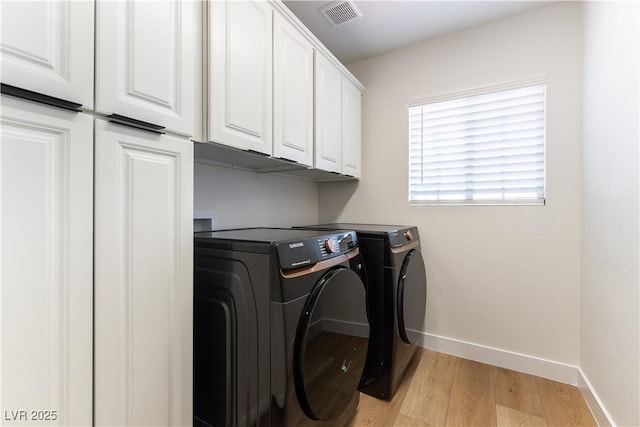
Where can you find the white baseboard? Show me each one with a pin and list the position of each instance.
(593, 401)
(549, 369)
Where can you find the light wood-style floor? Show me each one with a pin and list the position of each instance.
(443, 390)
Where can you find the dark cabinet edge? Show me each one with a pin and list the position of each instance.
(40, 98)
(138, 124)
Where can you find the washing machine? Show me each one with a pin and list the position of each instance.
(396, 293)
(280, 327)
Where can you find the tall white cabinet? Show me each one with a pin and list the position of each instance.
(97, 330)
(143, 276)
(46, 227)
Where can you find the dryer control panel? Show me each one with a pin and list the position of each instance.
(403, 236)
(300, 253)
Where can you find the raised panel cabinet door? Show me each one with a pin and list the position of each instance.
(143, 278)
(144, 61)
(46, 294)
(292, 93)
(351, 128)
(328, 144)
(240, 74)
(47, 47)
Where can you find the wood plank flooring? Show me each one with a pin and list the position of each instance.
(442, 390)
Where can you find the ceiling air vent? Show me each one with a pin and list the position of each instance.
(340, 12)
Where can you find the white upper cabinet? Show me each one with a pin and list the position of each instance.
(351, 128)
(240, 74)
(46, 192)
(143, 278)
(272, 88)
(338, 118)
(292, 93)
(145, 58)
(328, 144)
(47, 47)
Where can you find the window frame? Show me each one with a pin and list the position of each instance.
(533, 81)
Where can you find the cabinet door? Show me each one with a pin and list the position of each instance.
(328, 149)
(46, 223)
(143, 278)
(240, 74)
(144, 61)
(47, 47)
(292, 93)
(351, 128)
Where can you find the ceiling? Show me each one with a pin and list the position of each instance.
(391, 24)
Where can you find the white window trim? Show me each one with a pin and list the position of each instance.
(530, 81)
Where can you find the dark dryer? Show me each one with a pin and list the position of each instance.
(281, 329)
(397, 292)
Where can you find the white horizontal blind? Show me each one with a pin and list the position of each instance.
(486, 148)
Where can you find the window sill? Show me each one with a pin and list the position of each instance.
(539, 202)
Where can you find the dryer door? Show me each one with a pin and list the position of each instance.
(412, 297)
(331, 344)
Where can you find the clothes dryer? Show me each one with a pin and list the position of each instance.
(396, 294)
(281, 332)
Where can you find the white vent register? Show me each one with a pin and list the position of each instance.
(340, 12)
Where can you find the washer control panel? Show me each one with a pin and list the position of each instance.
(337, 244)
(296, 254)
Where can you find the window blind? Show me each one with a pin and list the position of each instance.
(486, 148)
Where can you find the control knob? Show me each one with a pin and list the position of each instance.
(408, 235)
(331, 246)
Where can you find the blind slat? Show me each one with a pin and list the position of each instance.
(533, 167)
(461, 145)
(479, 176)
(486, 113)
(447, 159)
(532, 189)
(486, 147)
(489, 132)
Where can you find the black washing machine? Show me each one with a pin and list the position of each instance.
(396, 292)
(280, 327)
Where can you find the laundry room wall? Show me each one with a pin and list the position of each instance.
(502, 280)
(610, 319)
(237, 198)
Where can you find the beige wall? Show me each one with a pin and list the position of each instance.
(503, 277)
(237, 198)
(610, 319)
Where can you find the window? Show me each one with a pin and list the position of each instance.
(485, 148)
